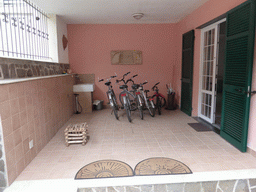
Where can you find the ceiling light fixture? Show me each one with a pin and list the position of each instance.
(138, 15)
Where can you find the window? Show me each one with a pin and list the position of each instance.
(23, 30)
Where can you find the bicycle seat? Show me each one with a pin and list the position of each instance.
(123, 86)
(107, 83)
(146, 91)
(135, 86)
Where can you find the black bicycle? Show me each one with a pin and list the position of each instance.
(111, 96)
(160, 100)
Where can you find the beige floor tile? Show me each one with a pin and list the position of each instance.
(167, 135)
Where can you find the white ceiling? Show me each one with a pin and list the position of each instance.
(119, 11)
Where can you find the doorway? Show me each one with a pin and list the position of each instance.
(212, 72)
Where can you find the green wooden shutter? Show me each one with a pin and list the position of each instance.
(187, 72)
(238, 74)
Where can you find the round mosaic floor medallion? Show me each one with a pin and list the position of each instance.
(104, 169)
(161, 166)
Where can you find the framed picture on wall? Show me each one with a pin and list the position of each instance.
(126, 57)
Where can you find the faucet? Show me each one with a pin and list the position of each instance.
(77, 78)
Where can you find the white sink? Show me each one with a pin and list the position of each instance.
(87, 87)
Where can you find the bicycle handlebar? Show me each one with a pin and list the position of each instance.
(117, 81)
(111, 77)
(126, 74)
(155, 85)
(144, 83)
(129, 80)
(134, 76)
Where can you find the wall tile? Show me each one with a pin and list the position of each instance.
(12, 173)
(19, 151)
(25, 132)
(10, 158)
(5, 110)
(28, 158)
(29, 101)
(30, 113)
(31, 127)
(4, 93)
(15, 122)
(23, 118)
(7, 126)
(40, 115)
(20, 166)
(17, 137)
(33, 153)
(21, 91)
(9, 142)
(26, 145)
(22, 103)
(13, 90)
(15, 107)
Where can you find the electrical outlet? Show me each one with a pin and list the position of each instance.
(31, 145)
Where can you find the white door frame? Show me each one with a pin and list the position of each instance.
(215, 57)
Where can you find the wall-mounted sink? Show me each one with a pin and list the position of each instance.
(87, 87)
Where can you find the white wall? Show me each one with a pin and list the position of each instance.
(53, 42)
(62, 30)
(57, 28)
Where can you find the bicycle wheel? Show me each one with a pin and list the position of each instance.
(132, 102)
(127, 109)
(140, 107)
(115, 113)
(115, 102)
(114, 106)
(151, 108)
(128, 112)
(158, 105)
(163, 101)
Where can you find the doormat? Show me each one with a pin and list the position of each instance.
(161, 166)
(199, 127)
(104, 169)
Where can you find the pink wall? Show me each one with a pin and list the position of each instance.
(90, 46)
(32, 110)
(207, 12)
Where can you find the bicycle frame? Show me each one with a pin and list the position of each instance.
(159, 97)
(159, 94)
(111, 96)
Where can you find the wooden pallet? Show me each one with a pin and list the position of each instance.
(76, 133)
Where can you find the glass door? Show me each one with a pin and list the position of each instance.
(208, 73)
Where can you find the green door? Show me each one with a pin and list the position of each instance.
(187, 71)
(238, 74)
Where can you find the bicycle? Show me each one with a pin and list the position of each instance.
(111, 96)
(160, 100)
(126, 98)
(148, 100)
(137, 94)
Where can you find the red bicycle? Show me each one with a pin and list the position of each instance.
(158, 98)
